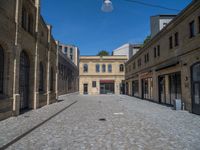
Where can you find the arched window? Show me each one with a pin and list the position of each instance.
(97, 68)
(41, 81)
(103, 68)
(121, 68)
(30, 23)
(109, 68)
(1, 69)
(85, 68)
(51, 79)
(24, 18)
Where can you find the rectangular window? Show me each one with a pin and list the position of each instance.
(176, 40)
(94, 84)
(139, 62)
(199, 23)
(170, 42)
(158, 50)
(134, 65)
(65, 49)
(97, 68)
(155, 53)
(109, 68)
(71, 50)
(60, 48)
(192, 30)
(147, 57)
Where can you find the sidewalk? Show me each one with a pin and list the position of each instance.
(13, 127)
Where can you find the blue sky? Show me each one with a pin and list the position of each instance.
(82, 23)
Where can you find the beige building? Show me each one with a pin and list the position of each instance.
(168, 66)
(101, 75)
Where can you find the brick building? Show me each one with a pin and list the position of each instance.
(168, 66)
(28, 58)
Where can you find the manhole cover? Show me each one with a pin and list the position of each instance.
(102, 119)
(26, 116)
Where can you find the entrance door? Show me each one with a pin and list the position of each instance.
(196, 88)
(85, 89)
(24, 81)
(162, 96)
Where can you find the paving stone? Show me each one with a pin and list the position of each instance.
(131, 124)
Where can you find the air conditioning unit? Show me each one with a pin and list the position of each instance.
(177, 104)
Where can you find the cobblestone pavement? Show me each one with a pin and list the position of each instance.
(131, 124)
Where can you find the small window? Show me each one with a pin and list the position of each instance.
(24, 18)
(41, 81)
(71, 50)
(155, 53)
(71, 57)
(85, 68)
(103, 68)
(121, 68)
(30, 23)
(199, 23)
(94, 84)
(170, 42)
(60, 48)
(192, 30)
(139, 62)
(134, 66)
(158, 50)
(147, 57)
(66, 50)
(176, 39)
(51, 79)
(109, 68)
(97, 68)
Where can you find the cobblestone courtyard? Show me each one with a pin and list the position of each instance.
(130, 124)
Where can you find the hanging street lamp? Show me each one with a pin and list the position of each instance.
(107, 6)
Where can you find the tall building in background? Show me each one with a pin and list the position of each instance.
(127, 49)
(159, 22)
(72, 52)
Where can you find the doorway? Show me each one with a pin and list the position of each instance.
(85, 89)
(24, 81)
(195, 71)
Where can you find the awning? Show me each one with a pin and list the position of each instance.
(107, 81)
